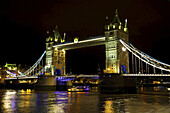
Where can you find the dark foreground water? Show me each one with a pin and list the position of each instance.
(30, 101)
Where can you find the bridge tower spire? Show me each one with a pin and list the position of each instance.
(117, 58)
(57, 35)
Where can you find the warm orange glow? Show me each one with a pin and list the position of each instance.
(69, 89)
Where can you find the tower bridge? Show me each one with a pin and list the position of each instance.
(118, 50)
(117, 53)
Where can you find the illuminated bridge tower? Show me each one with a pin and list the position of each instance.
(55, 57)
(117, 57)
(59, 54)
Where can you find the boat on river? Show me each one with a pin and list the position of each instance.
(79, 89)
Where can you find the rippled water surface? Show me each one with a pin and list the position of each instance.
(30, 101)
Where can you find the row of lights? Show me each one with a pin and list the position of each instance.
(147, 74)
(109, 76)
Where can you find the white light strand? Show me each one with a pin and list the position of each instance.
(144, 56)
(151, 57)
(100, 38)
(146, 74)
(34, 66)
(127, 47)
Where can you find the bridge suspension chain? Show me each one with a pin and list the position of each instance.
(149, 57)
(31, 69)
(146, 58)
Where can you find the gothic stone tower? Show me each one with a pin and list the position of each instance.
(117, 57)
(59, 54)
(55, 57)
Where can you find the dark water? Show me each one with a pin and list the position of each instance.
(29, 101)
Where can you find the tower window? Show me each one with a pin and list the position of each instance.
(113, 56)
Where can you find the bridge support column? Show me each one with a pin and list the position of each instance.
(46, 83)
(117, 57)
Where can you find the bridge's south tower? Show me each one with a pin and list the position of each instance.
(117, 57)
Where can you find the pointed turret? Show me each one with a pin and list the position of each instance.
(63, 39)
(107, 26)
(56, 34)
(125, 28)
(115, 24)
(116, 18)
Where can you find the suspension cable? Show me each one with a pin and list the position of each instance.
(35, 65)
(130, 50)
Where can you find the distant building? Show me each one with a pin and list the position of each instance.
(11, 66)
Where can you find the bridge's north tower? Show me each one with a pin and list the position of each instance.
(117, 57)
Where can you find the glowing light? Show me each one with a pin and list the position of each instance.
(108, 27)
(114, 26)
(62, 40)
(51, 39)
(55, 39)
(108, 107)
(47, 39)
(125, 29)
(168, 89)
(120, 25)
(76, 40)
(69, 89)
(63, 50)
(101, 38)
(145, 75)
(123, 49)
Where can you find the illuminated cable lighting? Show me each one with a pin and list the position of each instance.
(127, 47)
(151, 57)
(146, 75)
(146, 61)
(79, 42)
(35, 65)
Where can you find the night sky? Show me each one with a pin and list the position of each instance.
(24, 25)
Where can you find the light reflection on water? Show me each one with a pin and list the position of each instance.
(30, 101)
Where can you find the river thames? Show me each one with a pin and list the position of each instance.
(30, 101)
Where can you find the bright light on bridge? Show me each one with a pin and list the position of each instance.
(123, 49)
(60, 45)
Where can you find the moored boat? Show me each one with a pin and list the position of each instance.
(79, 89)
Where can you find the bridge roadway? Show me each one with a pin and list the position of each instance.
(22, 78)
(36, 77)
(95, 76)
